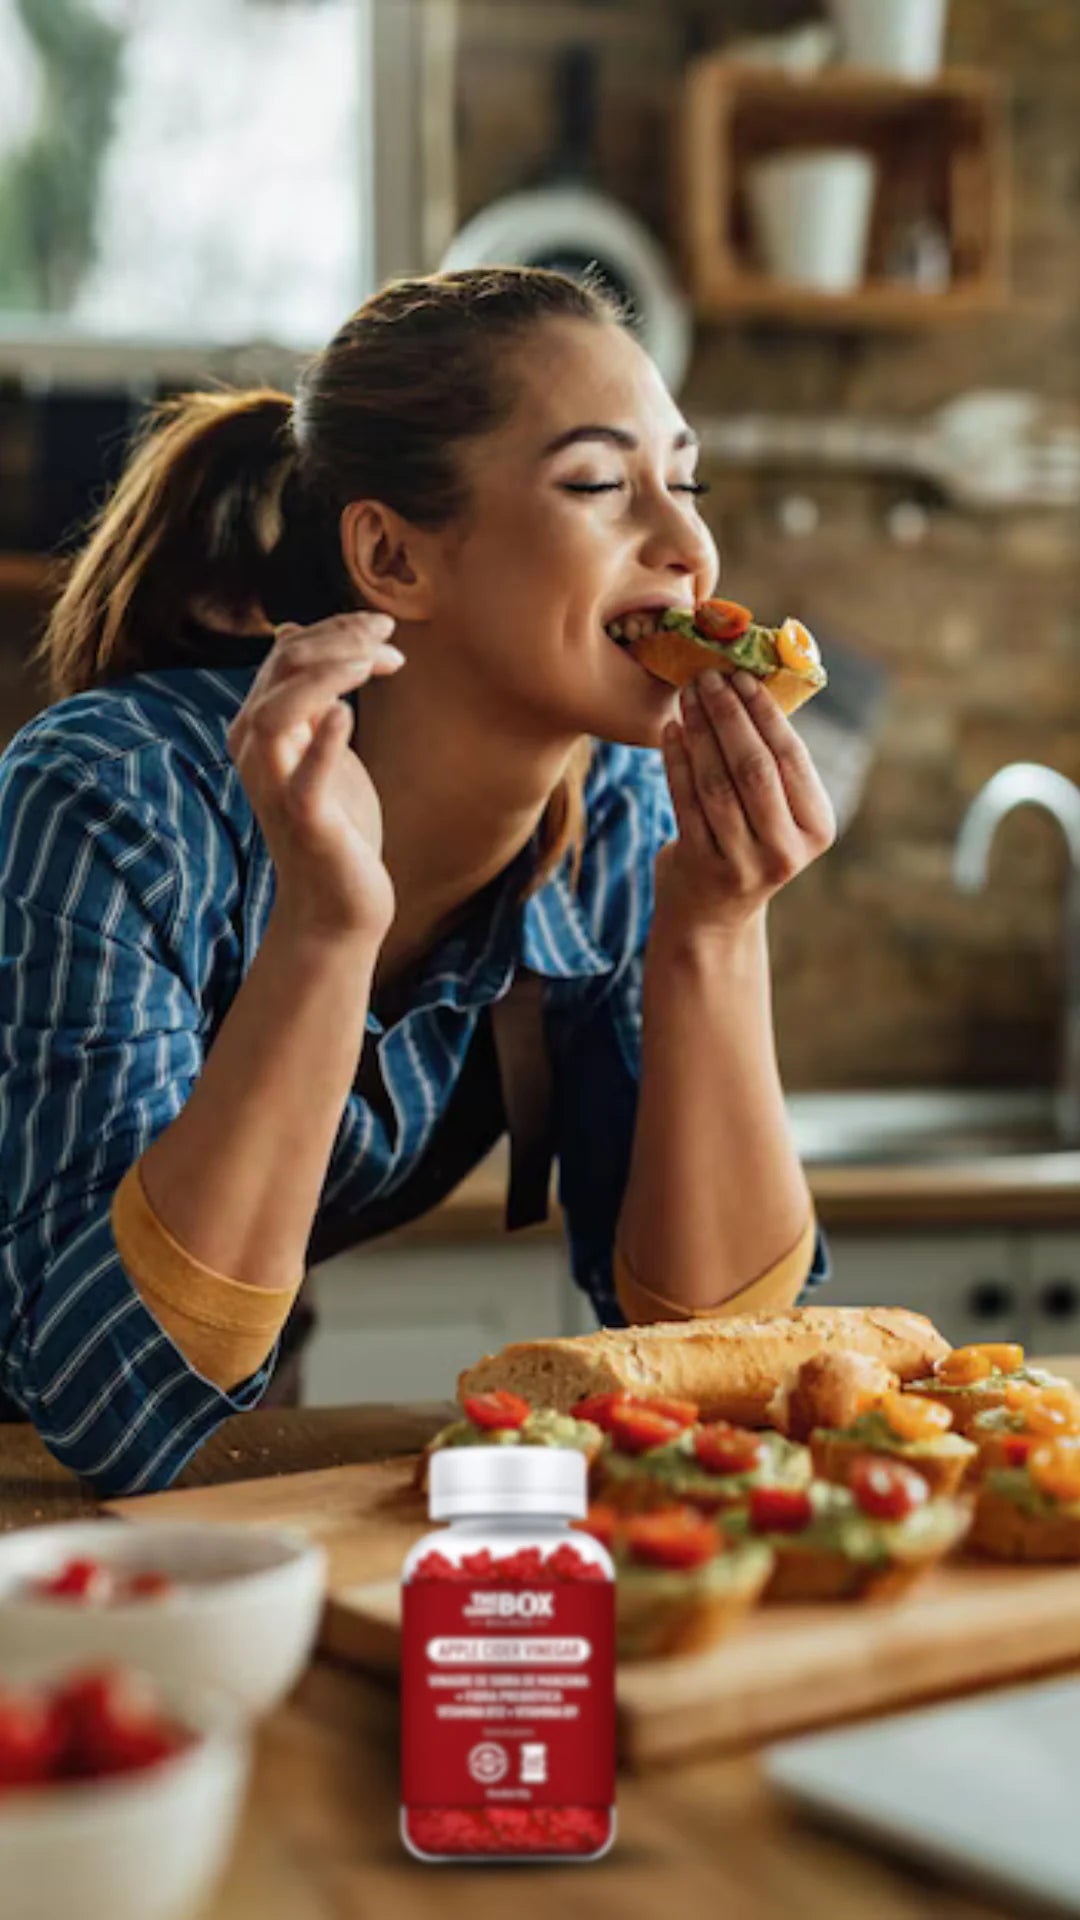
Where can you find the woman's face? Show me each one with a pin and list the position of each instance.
(581, 510)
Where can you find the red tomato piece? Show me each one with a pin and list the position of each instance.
(31, 1739)
(114, 1724)
(76, 1580)
(780, 1509)
(722, 619)
(599, 1407)
(602, 1522)
(148, 1586)
(886, 1489)
(636, 1428)
(721, 1448)
(1016, 1448)
(496, 1409)
(672, 1537)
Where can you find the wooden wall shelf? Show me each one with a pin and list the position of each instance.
(941, 151)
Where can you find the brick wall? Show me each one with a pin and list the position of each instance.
(883, 973)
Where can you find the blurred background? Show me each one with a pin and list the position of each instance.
(848, 228)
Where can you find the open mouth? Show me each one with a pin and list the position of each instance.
(635, 626)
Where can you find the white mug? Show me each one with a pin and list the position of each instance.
(811, 214)
(896, 36)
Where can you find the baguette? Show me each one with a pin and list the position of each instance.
(737, 1367)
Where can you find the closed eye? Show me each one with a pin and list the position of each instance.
(617, 486)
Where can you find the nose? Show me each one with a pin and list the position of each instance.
(676, 542)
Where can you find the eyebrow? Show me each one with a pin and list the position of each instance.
(613, 436)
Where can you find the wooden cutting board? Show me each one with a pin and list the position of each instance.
(970, 1625)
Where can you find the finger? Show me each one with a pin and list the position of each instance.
(713, 782)
(693, 827)
(750, 763)
(281, 724)
(306, 787)
(810, 805)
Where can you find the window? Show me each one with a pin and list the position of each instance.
(179, 177)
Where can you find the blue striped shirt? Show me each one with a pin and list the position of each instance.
(135, 886)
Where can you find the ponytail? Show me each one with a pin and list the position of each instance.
(209, 506)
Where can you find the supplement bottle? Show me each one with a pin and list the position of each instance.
(508, 1664)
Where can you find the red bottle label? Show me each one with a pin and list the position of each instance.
(508, 1694)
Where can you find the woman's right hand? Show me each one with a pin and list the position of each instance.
(312, 796)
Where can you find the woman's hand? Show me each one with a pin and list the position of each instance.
(751, 809)
(312, 796)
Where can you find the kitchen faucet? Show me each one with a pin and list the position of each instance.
(1027, 784)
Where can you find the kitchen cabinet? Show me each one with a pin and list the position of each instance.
(1053, 1290)
(399, 1322)
(972, 1285)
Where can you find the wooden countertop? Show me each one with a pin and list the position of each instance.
(320, 1837)
(1036, 1190)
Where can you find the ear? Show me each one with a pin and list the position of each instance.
(387, 560)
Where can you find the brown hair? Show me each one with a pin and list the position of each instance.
(236, 497)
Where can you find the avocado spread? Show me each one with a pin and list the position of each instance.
(840, 1526)
(872, 1430)
(781, 1464)
(543, 1428)
(1015, 1484)
(755, 649)
(727, 1572)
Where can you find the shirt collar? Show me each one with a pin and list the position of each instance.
(548, 933)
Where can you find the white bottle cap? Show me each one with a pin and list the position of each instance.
(513, 1479)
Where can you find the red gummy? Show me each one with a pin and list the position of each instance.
(524, 1565)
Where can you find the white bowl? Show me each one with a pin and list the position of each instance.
(242, 1623)
(142, 1846)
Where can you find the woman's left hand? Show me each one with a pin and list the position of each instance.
(751, 809)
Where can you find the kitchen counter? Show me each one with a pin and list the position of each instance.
(320, 1839)
(1037, 1189)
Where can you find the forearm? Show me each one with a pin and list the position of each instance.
(236, 1177)
(716, 1194)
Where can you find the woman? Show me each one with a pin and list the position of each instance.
(256, 951)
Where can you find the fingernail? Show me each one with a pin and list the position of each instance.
(712, 681)
(689, 697)
(394, 654)
(379, 625)
(744, 683)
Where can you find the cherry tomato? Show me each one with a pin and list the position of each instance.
(780, 1509)
(913, 1417)
(496, 1409)
(602, 1522)
(721, 1448)
(599, 1407)
(634, 1429)
(796, 646)
(1054, 1466)
(684, 1412)
(722, 619)
(673, 1536)
(1016, 1448)
(963, 1366)
(886, 1489)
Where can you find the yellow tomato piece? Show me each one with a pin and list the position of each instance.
(1055, 1468)
(963, 1366)
(914, 1417)
(1051, 1411)
(797, 647)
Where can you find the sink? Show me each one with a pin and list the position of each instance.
(920, 1127)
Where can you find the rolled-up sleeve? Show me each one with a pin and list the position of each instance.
(109, 927)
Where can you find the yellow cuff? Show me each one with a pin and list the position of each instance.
(224, 1327)
(772, 1292)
